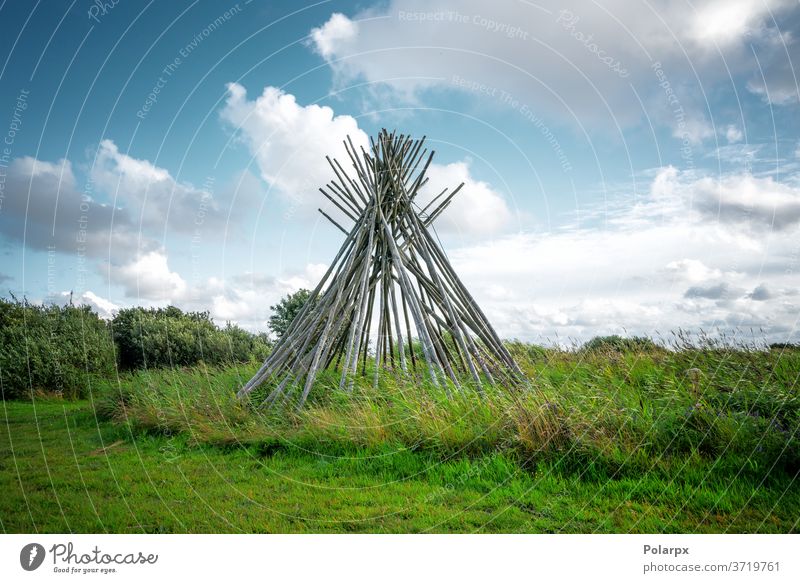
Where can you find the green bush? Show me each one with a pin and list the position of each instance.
(161, 337)
(522, 350)
(784, 346)
(56, 349)
(620, 344)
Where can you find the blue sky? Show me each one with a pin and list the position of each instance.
(629, 167)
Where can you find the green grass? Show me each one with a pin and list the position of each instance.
(701, 440)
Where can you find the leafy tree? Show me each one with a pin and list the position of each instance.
(286, 310)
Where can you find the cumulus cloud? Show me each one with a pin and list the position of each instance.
(761, 293)
(725, 22)
(578, 60)
(657, 265)
(476, 209)
(49, 210)
(246, 298)
(750, 202)
(719, 291)
(289, 142)
(692, 270)
(334, 35)
(45, 208)
(152, 194)
(148, 277)
(243, 298)
(103, 307)
(758, 202)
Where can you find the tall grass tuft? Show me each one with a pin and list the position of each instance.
(600, 411)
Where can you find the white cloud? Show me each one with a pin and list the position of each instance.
(103, 307)
(733, 134)
(246, 298)
(660, 265)
(152, 194)
(289, 142)
(562, 58)
(781, 91)
(50, 210)
(475, 209)
(723, 22)
(336, 33)
(739, 155)
(695, 129)
(745, 199)
(717, 291)
(692, 270)
(148, 277)
(749, 202)
(45, 207)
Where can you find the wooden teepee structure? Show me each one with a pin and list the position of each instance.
(391, 278)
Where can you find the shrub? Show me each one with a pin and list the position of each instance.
(620, 344)
(526, 352)
(243, 346)
(784, 346)
(159, 337)
(51, 348)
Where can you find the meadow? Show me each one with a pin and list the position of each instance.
(614, 436)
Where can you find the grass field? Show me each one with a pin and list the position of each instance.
(654, 441)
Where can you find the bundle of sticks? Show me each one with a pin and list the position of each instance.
(390, 299)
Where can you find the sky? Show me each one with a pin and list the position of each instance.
(629, 167)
